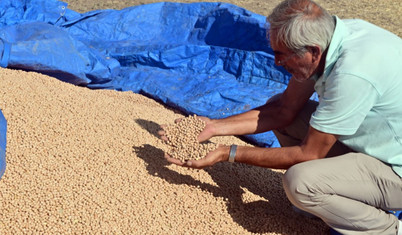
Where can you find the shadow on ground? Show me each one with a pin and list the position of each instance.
(272, 214)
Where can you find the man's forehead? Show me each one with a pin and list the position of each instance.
(276, 45)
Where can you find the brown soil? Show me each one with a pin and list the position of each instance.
(83, 161)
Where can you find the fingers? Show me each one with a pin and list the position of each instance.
(162, 135)
(197, 164)
(178, 120)
(173, 160)
(163, 126)
(162, 132)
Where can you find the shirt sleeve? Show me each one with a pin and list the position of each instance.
(344, 104)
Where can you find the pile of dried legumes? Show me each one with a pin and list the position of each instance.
(83, 161)
(182, 140)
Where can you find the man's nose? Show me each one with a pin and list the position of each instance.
(277, 61)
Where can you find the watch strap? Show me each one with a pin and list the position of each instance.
(232, 153)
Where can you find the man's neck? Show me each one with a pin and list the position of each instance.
(321, 65)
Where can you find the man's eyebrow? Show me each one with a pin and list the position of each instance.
(277, 52)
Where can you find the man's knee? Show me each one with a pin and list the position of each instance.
(297, 183)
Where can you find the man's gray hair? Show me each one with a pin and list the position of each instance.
(301, 23)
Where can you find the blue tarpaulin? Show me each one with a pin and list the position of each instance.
(209, 59)
(3, 142)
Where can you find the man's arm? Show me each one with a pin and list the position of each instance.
(316, 145)
(278, 112)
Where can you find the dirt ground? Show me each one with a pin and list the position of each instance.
(384, 13)
(83, 161)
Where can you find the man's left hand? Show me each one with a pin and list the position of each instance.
(218, 155)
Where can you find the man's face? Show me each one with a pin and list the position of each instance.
(302, 67)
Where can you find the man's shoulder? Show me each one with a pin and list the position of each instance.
(362, 33)
(367, 51)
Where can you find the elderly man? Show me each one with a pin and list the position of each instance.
(344, 153)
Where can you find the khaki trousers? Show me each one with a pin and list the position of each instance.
(351, 192)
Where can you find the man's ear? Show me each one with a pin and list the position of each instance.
(315, 52)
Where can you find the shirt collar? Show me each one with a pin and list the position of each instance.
(335, 46)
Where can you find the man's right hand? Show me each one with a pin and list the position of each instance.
(205, 135)
(208, 131)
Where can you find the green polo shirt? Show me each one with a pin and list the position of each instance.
(360, 92)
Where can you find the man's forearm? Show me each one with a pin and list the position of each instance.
(278, 112)
(265, 118)
(316, 145)
(241, 124)
(275, 158)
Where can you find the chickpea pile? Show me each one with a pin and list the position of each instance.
(182, 139)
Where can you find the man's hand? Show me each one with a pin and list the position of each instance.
(204, 157)
(205, 135)
(218, 155)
